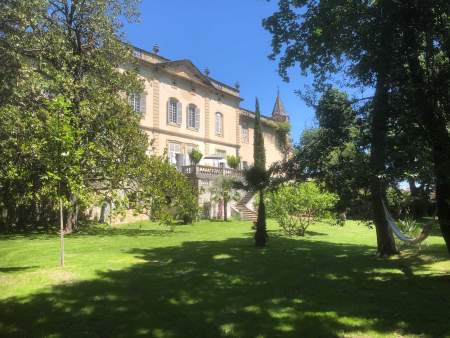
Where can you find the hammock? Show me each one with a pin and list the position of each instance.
(398, 232)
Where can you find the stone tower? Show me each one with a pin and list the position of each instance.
(279, 112)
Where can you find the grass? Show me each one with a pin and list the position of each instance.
(207, 280)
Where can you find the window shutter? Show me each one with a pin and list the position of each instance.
(179, 113)
(197, 118)
(187, 116)
(168, 111)
(143, 103)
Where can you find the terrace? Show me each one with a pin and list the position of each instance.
(205, 172)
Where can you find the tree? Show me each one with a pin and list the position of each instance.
(223, 190)
(259, 152)
(427, 56)
(374, 44)
(283, 128)
(161, 191)
(335, 153)
(260, 177)
(67, 82)
(296, 206)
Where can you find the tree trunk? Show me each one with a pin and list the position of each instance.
(385, 240)
(71, 213)
(225, 209)
(261, 232)
(435, 125)
(440, 142)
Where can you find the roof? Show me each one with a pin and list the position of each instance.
(253, 113)
(278, 108)
(164, 62)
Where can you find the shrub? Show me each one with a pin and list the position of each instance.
(165, 193)
(296, 205)
(196, 156)
(233, 161)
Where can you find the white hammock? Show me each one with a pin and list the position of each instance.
(398, 232)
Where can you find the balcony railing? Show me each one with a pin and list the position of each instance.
(207, 171)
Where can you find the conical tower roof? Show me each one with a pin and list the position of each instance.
(278, 108)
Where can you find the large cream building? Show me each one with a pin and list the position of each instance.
(183, 108)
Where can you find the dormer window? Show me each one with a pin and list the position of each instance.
(174, 111)
(193, 117)
(219, 124)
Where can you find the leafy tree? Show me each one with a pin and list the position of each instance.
(283, 128)
(162, 192)
(223, 190)
(233, 161)
(334, 153)
(84, 139)
(381, 45)
(296, 206)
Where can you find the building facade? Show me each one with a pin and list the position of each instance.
(183, 109)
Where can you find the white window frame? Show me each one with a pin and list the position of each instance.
(222, 153)
(193, 117)
(174, 111)
(173, 148)
(218, 124)
(134, 100)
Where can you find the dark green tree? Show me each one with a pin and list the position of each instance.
(82, 140)
(334, 153)
(375, 44)
(258, 178)
(259, 152)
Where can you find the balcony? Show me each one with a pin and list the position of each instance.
(208, 172)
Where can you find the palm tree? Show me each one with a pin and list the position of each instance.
(223, 190)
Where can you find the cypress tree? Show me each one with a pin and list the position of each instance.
(259, 153)
(259, 158)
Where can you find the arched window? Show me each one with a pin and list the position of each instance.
(219, 124)
(193, 117)
(174, 111)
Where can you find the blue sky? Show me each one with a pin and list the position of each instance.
(228, 38)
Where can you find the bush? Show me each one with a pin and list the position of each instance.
(296, 206)
(196, 156)
(233, 161)
(165, 193)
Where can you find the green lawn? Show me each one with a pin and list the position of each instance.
(207, 280)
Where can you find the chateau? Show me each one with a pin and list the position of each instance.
(183, 108)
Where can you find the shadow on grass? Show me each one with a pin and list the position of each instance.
(99, 231)
(16, 268)
(229, 288)
(108, 232)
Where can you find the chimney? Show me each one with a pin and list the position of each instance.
(155, 49)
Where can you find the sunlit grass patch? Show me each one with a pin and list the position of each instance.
(208, 280)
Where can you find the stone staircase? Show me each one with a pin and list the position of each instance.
(246, 213)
